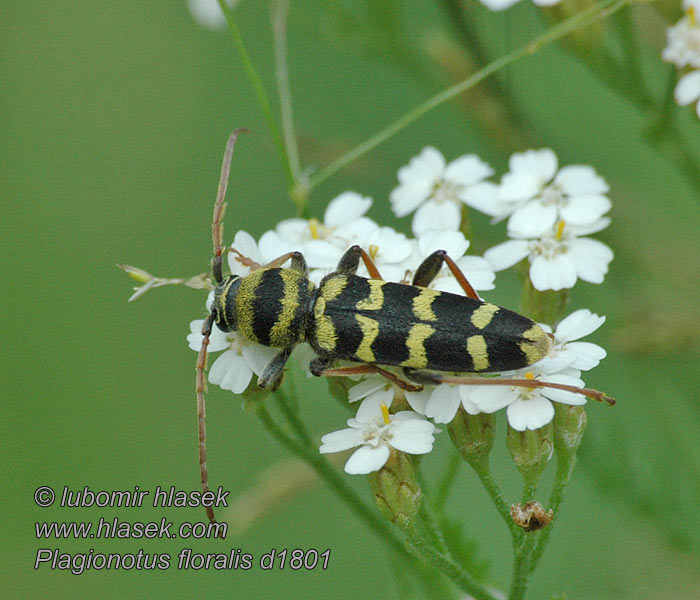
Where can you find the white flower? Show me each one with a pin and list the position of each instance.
(440, 403)
(539, 194)
(688, 90)
(477, 270)
(247, 250)
(208, 12)
(436, 189)
(569, 352)
(528, 408)
(558, 258)
(233, 369)
(323, 244)
(503, 4)
(683, 49)
(375, 431)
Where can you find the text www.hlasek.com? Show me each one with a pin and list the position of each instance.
(116, 529)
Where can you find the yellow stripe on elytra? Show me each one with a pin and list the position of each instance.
(415, 342)
(326, 336)
(536, 344)
(423, 304)
(244, 303)
(476, 346)
(333, 287)
(375, 300)
(483, 315)
(281, 334)
(370, 331)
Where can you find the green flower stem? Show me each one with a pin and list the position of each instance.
(259, 90)
(521, 567)
(580, 20)
(280, 15)
(565, 466)
(283, 402)
(494, 491)
(447, 566)
(446, 482)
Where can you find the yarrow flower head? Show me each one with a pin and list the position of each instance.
(683, 50)
(376, 432)
(436, 189)
(536, 194)
(559, 257)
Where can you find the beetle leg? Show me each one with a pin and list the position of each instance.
(321, 368)
(298, 262)
(272, 373)
(350, 261)
(433, 378)
(430, 267)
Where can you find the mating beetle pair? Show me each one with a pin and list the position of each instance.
(371, 322)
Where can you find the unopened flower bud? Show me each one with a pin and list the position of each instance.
(138, 274)
(473, 435)
(569, 425)
(531, 450)
(396, 490)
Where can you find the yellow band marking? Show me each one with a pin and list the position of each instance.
(417, 358)
(333, 287)
(326, 336)
(536, 344)
(482, 316)
(244, 303)
(375, 300)
(476, 346)
(370, 331)
(281, 333)
(423, 305)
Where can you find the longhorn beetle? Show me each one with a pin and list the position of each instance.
(372, 322)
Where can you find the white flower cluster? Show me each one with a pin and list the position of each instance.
(548, 210)
(683, 50)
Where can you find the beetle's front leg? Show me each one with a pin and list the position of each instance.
(272, 373)
(350, 261)
(430, 267)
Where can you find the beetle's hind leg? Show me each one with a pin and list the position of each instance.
(430, 267)
(350, 262)
(321, 367)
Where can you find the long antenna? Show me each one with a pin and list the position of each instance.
(217, 230)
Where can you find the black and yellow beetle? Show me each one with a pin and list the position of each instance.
(429, 334)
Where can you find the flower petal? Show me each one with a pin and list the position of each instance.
(532, 220)
(580, 179)
(585, 209)
(367, 459)
(533, 413)
(507, 254)
(443, 404)
(467, 170)
(590, 258)
(688, 88)
(555, 273)
(340, 440)
(230, 372)
(346, 207)
(578, 324)
(436, 215)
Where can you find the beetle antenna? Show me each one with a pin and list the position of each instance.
(533, 383)
(217, 226)
(201, 387)
(217, 230)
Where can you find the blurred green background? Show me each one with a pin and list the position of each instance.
(114, 116)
